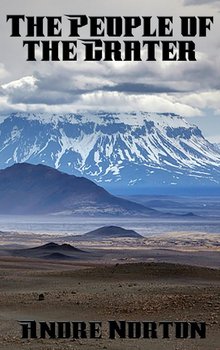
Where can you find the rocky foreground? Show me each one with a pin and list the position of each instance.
(39, 290)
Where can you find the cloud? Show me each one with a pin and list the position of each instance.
(179, 87)
(115, 101)
(23, 85)
(203, 100)
(200, 2)
(139, 88)
(6, 107)
(108, 101)
(67, 85)
(63, 83)
(3, 72)
(30, 90)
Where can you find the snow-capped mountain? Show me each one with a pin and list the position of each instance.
(139, 151)
(217, 147)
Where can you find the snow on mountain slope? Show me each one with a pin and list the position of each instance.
(217, 147)
(138, 150)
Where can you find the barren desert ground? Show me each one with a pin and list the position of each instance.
(87, 291)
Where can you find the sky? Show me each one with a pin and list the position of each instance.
(190, 89)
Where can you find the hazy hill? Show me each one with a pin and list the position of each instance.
(39, 189)
(51, 251)
(111, 232)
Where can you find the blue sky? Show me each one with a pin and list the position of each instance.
(190, 89)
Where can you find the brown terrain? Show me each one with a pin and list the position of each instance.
(154, 281)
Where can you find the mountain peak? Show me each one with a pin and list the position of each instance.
(39, 189)
(137, 151)
(50, 245)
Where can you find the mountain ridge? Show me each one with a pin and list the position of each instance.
(39, 189)
(134, 151)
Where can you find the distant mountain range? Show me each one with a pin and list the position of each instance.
(124, 153)
(39, 189)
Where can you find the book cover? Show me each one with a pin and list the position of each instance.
(109, 175)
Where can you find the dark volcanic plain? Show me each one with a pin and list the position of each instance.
(99, 286)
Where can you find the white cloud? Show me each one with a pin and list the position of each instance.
(3, 72)
(88, 86)
(109, 101)
(23, 84)
(7, 107)
(150, 103)
(203, 100)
